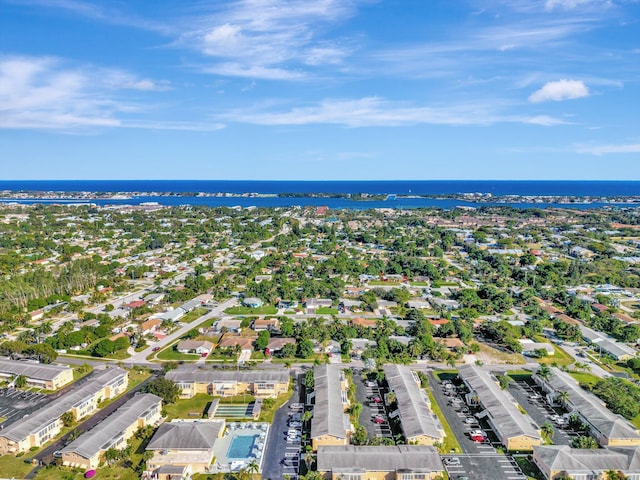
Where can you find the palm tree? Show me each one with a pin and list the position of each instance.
(306, 416)
(308, 460)
(544, 372)
(562, 397)
(547, 431)
(253, 467)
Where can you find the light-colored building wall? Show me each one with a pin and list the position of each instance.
(230, 389)
(328, 440)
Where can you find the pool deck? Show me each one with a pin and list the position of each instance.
(236, 429)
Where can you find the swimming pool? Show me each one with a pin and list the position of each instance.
(240, 447)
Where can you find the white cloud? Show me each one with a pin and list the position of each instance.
(378, 112)
(572, 4)
(606, 149)
(270, 39)
(47, 93)
(560, 90)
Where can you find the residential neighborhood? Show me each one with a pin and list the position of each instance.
(192, 343)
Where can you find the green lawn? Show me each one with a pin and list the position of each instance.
(15, 466)
(115, 472)
(561, 358)
(183, 408)
(169, 353)
(529, 468)
(585, 378)
(267, 414)
(450, 443)
(264, 310)
(327, 311)
(193, 315)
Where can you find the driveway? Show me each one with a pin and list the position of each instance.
(483, 467)
(277, 447)
(456, 421)
(537, 408)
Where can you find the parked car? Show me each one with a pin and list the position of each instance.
(378, 420)
(478, 436)
(470, 420)
(452, 461)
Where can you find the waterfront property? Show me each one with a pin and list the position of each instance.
(564, 462)
(88, 450)
(515, 430)
(41, 375)
(46, 423)
(605, 426)
(330, 424)
(184, 445)
(419, 424)
(228, 383)
(401, 462)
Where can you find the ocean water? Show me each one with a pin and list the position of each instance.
(496, 188)
(401, 187)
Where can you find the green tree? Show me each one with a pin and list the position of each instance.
(163, 388)
(583, 441)
(68, 418)
(20, 381)
(547, 431)
(263, 340)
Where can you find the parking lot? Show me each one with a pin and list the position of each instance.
(461, 419)
(293, 437)
(374, 416)
(15, 404)
(483, 467)
(534, 402)
(283, 447)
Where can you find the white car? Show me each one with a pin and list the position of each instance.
(470, 420)
(452, 461)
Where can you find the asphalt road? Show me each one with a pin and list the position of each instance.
(140, 358)
(46, 455)
(276, 447)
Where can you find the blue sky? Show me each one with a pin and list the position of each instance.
(320, 89)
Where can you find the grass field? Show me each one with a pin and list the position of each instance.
(450, 443)
(491, 355)
(327, 311)
(188, 408)
(193, 315)
(15, 466)
(561, 358)
(585, 378)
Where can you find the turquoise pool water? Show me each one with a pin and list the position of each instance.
(240, 447)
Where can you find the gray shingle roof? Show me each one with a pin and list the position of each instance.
(415, 413)
(37, 371)
(191, 374)
(54, 410)
(592, 408)
(186, 435)
(507, 420)
(575, 460)
(105, 433)
(328, 412)
(407, 458)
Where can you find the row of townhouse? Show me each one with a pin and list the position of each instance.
(605, 426)
(563, 462)
(46, 423)
(228, 383)
(330, 424)
(401, 462)
(39, 375)
(515, 430)
(88, 450)
(420, 426)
